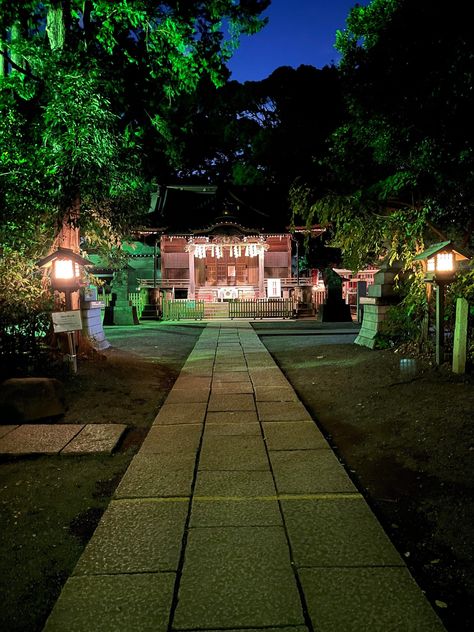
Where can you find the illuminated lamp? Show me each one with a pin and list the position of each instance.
(441, 262)
(66, 269)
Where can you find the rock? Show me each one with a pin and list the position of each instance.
(30, 398)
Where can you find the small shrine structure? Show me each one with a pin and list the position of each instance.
(226, 260)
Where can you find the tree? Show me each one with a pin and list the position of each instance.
(260, 132)
(402, 162)
(86, 90)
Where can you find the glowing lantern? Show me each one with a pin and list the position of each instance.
(66, 268)
(441, 261)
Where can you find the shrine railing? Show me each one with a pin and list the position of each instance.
(183, 308)
(262, 308)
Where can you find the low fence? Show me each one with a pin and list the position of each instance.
(252, 308)
(183, 308)
(262, 308)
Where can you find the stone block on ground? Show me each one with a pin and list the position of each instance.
(136, 536)
(237, 577)
(114, 602)
(4, 430)
(95, 439)
(157, 476)
(39, 438)
(31, 398)
(374, 599)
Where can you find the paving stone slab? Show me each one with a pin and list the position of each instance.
(190, 413)
(156, 476)
(334, 532)
(231, 596)
(38, 438)
(114, 602)
(95, 439)
(309, 472)
(237, 577)
(187, 395)
(228, 360)
(230, 376)
(228, 513)
(295, 628)
(234, 484)
(233, 452)
(230, 366)
(275, 394)
(228, 353)
(240, 545)
(201, 354)
(293, 435)
(375, 599)
(135, 537)
(268, 377)
(192, 381)
(231, 428)
(232, 416)
(282, 411)
(255, 360)
(234, 401)
(223, 388)
(181, 439)
(197, 370)
(4, 430)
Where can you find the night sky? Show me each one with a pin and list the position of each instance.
(298, 32)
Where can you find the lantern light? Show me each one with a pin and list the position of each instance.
(441, 261)
(65, 267)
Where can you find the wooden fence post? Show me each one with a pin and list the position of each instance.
(460, 336)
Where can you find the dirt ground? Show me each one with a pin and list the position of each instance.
(407, 440)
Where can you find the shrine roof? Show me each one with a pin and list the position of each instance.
(208, 210)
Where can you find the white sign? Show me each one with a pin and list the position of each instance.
(274, 288)
(67, 321)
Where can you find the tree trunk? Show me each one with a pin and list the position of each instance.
(55, 26)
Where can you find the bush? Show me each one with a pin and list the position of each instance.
(25, 307)
(404, 322)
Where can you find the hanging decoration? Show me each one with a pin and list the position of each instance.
(217, 248)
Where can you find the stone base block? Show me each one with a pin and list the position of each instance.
(335, 312)
(31, 398)
(378, 291)
(121, 315)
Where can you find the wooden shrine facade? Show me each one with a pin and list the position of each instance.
(226, 264)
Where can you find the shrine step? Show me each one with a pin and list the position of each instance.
(149, 313)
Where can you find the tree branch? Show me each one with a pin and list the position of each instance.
(14, 65)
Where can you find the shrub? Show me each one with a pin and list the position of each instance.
(25, 307)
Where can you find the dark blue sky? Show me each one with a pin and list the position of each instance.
(298, 32)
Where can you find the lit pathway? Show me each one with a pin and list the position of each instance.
(235, 514)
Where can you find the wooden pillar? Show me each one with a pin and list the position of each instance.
(440, 291)
(261, 274)
(192, 279)
(460, 336)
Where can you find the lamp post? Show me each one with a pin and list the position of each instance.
(66, 271)
(441, 262)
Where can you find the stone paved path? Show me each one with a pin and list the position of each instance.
(236, 515)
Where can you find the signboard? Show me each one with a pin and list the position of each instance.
(274, 288)
(67, 321)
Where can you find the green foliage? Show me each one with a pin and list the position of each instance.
(25, 307)
(87, 98)
(401, 164)
(404, 321)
